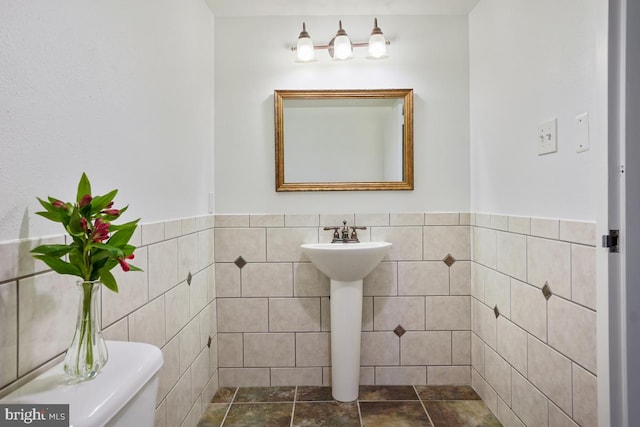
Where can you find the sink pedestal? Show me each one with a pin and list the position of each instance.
(346, 325)
(346, 264)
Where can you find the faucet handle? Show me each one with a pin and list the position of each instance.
(354, 233)
(336, 235)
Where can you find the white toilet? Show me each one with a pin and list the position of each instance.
(122, 395)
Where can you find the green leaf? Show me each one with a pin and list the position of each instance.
(98, 203)
(128, 250)
(121, 237)
(53, 216)
(99, 255)
(48, 206)
(108, 280)
(110, 264)
(113, 250)
(52, 213)
(76, 259)
(131, 224)
(75, 224)
(134, 268)
(59, 266)
(84, 187)
(53, 250)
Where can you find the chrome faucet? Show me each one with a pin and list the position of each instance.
(343, 235)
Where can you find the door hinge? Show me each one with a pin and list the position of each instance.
(611, 241)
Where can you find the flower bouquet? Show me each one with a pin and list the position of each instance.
(95, 247)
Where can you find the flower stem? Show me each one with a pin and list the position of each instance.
(86, 322)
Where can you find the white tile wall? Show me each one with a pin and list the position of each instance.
(47, 309)
(155, 306)
(9, 332)
(279, 300)
(542, 372)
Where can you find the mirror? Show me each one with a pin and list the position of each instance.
(344, 139)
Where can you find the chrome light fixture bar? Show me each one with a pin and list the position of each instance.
(340, 47)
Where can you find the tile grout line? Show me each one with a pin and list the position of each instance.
(359, 412)
(293, 407)
(235, 393)
(422, 404)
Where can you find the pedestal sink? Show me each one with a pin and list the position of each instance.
(346, 264)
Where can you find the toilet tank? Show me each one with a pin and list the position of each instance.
(122, 395)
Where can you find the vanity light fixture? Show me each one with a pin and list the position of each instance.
(340, 47)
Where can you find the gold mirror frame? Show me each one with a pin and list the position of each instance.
(407, 144)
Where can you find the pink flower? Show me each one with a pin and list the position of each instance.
(124, 265)
(110, 205)
(111, 212)
(86, 199)
(83, 223)
(59, 204)
(101, 231)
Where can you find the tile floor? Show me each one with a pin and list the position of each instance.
(377, 406)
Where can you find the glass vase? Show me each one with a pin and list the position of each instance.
(87, 354)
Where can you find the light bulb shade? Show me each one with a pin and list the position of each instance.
(377, 46)
(342, 48)
(304, 50)
(377, 43)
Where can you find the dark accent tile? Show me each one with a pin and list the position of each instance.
(326, 414)
(224, 395)
(189, 277)
(314, 394)
(209, 341)
(496, 311)
(214, 415)
(259, 414)
(385, 414)
(546, 291)
(240, 262)
(446, 392)
(461, 413)
(399, 331)
(449, 260)
(265, 394)
(397, 392)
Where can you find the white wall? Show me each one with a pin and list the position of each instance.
(122, 90)
(252, 57)
(531, 61)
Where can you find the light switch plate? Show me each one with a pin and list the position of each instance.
(582, 133)
(547, 137)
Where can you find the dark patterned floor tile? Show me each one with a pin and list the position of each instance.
(314, 394)
(224, 395)
(265, 394)
(396, 414)
(461, 413)
(259, 414)
(446, 392)
(376, 392)
(213, 415)
(326, 414)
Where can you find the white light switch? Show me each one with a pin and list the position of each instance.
(547, 137)
(582, 133)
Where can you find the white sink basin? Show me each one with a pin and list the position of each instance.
(346, 262)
